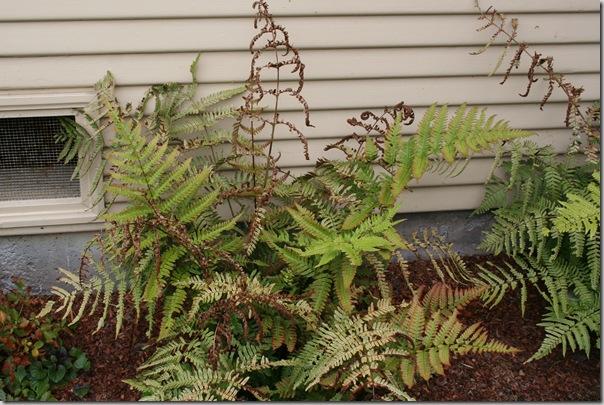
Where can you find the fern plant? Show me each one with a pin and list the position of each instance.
(170, 229)
(342, 219)
(181, 371)
(241, 262)
(547, 210)
(381, 350)
(224, 336)
(388, 346)
(547, 219)
(319, 250)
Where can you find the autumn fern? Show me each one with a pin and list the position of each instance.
(386, 348)
(265, 285)
(547, 219)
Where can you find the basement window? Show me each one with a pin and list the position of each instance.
(37, 192)
(29, 160)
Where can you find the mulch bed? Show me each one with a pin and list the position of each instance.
(112, 359)
(478, 377)
(494, 377)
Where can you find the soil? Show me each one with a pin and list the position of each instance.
(477, 377)
(494, 377)
(112, 359)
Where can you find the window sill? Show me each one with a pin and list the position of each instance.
(48, 216)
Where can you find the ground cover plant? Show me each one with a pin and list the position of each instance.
(255, 284)
(34, 362)
(547, 211)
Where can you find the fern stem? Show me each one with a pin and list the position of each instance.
(214, 157)
(275, 117)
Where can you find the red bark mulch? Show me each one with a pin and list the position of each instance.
(484, 377)
(494, 377)
(112, 359)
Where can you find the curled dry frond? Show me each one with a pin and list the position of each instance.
(272, 52)
(576, 117)
(376, 126)
(274, 40)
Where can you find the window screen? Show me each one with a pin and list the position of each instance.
(29, 166)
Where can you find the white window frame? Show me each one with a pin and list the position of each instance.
(56, 215)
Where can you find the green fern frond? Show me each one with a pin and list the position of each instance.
(548, 221)
(572, 331)
(206, 102)
(200, 123)
(580, 214)
(465, 133)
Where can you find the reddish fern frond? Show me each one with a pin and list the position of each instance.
(442, 297)
(514, 62)
(536, 58)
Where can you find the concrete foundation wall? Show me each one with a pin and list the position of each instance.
(458, 227)
(36, 258)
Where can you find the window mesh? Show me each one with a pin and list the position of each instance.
(29, 166)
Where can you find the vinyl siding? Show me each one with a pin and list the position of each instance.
(359, 55)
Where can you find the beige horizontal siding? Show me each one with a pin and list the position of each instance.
(353, 94)
(359, 55)
(332, 124)
(291, 151)
(476, 171)
(179, 35)
(440, 198)
(26, 10)
(216, 67)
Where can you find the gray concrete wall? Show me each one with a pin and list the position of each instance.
(458, 227)
(36, 258)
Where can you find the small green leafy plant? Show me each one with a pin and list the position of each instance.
(34, 361)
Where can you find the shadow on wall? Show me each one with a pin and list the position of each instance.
(460, 228)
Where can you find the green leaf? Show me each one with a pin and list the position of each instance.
(327, 257)
(58, 375)
(81, 390)
(343, 280)
(20, 373)
(306, 221)
(356, 217)
(407, 369)
(371, 243)
(40, 387)
(423, 365)
(37, 372)
(81, 362)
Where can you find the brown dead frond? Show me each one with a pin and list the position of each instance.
(375, 126)
(272, 40)
(272, 52)
(579, 120)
